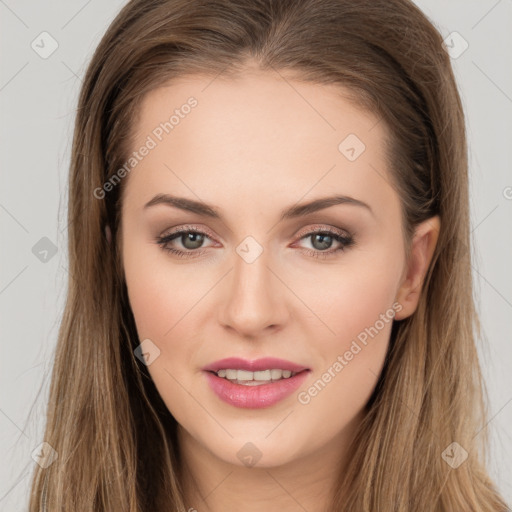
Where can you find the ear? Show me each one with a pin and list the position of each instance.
(422, 249)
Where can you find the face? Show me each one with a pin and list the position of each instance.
(254, 275)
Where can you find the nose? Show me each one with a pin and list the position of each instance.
(256, 299)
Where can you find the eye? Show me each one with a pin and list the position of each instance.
(323, 237)
(192, 239)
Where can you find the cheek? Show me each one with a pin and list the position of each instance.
(162, 301)
(159, 293)
(166, 298)
(149, 294)
(351, 295)
(355, 303)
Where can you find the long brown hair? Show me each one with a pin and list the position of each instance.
(115, 439)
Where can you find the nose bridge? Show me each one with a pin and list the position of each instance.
(255, 296)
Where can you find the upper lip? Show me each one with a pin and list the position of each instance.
(265, 363)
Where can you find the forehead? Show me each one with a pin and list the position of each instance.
(260, 103)
(259, 133)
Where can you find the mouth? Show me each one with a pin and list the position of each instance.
(257, 378)
(255, 366)
(254, 384)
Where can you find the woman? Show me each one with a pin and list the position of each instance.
(209, 359)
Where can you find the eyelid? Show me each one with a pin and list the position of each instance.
(318, 228)
(301, 234)
(186, 228)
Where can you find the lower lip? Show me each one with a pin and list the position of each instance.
(254, 397)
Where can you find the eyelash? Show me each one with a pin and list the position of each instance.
(346, 241)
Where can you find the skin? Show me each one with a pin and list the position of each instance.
(252, 147)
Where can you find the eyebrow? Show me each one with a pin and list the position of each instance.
(298, 210)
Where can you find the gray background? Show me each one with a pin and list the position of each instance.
(38, 97)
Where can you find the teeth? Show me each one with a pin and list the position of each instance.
(263, 375)
(254, 378)
(276, 374)
(244, 375)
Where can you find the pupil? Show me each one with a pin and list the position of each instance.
(325, 241)
(196, 240)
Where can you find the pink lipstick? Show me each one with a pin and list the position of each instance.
(254, 384)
